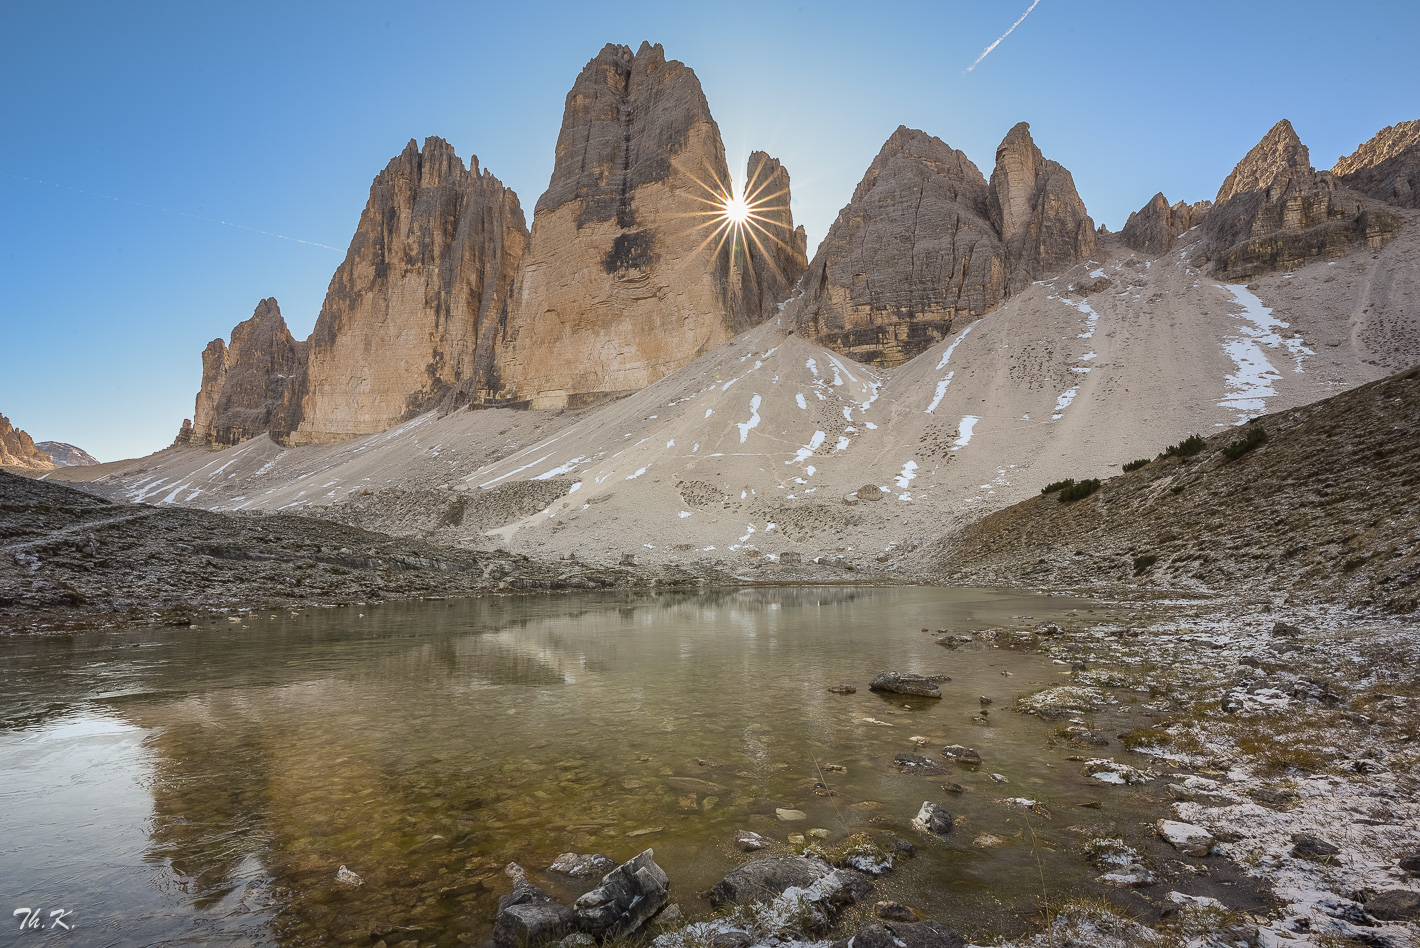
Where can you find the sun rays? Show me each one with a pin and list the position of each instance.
(737, 220)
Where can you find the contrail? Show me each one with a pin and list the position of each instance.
(167, 210)
(986, 52)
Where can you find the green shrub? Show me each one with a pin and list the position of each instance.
(1236, 449)
(1142, 564)
(1058, 485)
(1079, 491)
(1186, 448)
(1135, 465)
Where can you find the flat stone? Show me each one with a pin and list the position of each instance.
(790, 816)
(765, 878)
(905, 683)
(1307, 846)
(917, 764)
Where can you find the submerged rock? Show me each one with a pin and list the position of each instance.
(905, 683)
(750, 842)
(917, 764)
(346, 876)
(843, 689)
(629, 896)
(895, 912)
(933, 819)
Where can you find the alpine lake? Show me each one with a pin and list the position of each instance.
(204, 786)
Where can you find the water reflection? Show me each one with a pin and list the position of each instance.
(427, 745)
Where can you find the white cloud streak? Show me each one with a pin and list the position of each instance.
(987, 51)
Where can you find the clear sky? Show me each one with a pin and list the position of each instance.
(131, 131)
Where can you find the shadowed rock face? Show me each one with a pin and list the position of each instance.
(620, 286)
(252, 385)
(1387, 167)
(410, 318)
(1275, 213)
(1037, 211)
(914, 249)
(1155, 226)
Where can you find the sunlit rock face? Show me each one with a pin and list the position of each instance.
(411, 316)
(626, 278)
(1387, 167)
(1274, 212)
(251, 385)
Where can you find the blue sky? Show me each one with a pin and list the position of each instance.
(132, 130)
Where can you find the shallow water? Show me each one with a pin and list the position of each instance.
(184, 786)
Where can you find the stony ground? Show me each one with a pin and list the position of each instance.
(69, 559)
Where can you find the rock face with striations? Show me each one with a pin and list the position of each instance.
(1275, 213)
(1155, 226)
(411, 315)
(17, 449)
(1387, 167)
(251, 385)
(620, 285)
(1037, 211)
(913, 250)
(926, 240)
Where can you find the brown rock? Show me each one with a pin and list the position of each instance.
(1037, 212)
(250, 386)
(411, 315)
(914, 249)
(1155, 226)
(17, 449)
(1275, 213)
(625, 279)
(1387, 167)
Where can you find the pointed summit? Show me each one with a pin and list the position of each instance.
(626, 278)
(1279, 163)
(1155, 226)
(1037, 211)
(250, 386)
(912, 251)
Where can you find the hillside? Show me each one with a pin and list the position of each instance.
(1325, 507)
(69, 559)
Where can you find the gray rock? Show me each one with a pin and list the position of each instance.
(766, 877)
(1394, 905)
(579, 867)
(534, 918)
(629, 896)
(961, 754)
(933, 819)
(750, 842)
(905, 683)
(346, 876)
(1411, 864)
(895, 912)
(1307, 846)
(1037, 212)
(843, 689)
(917, 764)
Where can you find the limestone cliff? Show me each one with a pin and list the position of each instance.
(1274, 212)
(252, 385)
(913, 249)
(625, 279)
(1155, 226)
(410, 318)
(1387, 167)
(17, 449)
(1037, 211)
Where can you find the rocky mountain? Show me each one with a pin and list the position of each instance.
(625, 278)
(1156, 226)
(913, 250)
(1387, 167)
(18, 450)
(926, 239)
(1038, 213)
(411, 315)
(1274, 212)
(66, 455)
(252, 385)
(1289, 512)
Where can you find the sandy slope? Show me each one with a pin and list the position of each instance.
(748, 452)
